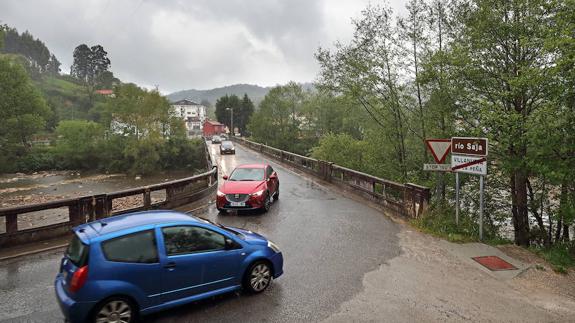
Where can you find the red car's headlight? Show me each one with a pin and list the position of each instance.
(219, 193)
(258, 193)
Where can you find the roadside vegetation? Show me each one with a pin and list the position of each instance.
(475, 68)
(51, 121)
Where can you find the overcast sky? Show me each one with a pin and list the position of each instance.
(201, 44)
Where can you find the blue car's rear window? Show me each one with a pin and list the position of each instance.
(77, 252)
(139, 247)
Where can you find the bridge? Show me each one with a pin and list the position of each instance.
(345, 260)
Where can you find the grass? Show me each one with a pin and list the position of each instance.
(440, 222)
(561, 256)
(57, 85)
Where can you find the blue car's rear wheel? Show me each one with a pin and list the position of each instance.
(258, 277)
(115, 310)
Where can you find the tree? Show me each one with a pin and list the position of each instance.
(412, 30)
(278, 119)
(224, 107)
(368, 70)
(246, 111)
(141, 125)
(23, 111)
(78, 143)
(90, 63)
(38, 59)
(1, 38)
(501, 62)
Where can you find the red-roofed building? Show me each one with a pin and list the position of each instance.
(105, 92)
(213, 128)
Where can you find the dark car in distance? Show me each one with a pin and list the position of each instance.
(227, 147)
(118, 268)
(216, 139)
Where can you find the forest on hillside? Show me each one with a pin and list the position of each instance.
(50, 120)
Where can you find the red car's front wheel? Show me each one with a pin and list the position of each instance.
(267, 203)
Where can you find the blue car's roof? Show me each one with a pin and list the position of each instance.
(130, 221)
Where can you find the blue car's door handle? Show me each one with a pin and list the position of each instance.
(170, 265)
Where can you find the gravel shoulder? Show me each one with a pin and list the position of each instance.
(428, 284)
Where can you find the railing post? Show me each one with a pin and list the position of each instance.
(75, 213)
(101, 206)
(11, 223)
(147, 199)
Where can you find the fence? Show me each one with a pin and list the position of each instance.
(403, 199)
(88, 208)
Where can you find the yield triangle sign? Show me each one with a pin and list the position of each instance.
(439, 148)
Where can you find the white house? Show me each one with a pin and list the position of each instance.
(192, 113)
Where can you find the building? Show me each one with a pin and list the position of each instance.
(106, 92)
(193, 114)
(211, 128)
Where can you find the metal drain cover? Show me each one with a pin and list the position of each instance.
(494, 263)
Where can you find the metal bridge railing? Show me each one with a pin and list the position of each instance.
(404, 199)
(88, 208)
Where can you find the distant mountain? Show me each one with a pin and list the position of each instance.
(255, 92)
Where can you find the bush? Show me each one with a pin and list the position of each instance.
(180, 153)
(341, 149)
(39, 158)
(78, 143)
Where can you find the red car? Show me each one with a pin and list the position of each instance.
(249, 187)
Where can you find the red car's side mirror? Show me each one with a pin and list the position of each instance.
(225, 177)
(273, 176)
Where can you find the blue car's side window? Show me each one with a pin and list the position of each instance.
(189, 239)
(137, 247)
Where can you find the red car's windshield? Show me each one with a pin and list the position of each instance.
(247, 174)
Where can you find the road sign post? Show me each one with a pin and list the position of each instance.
(457, 199)
(481, 207)
(468, 155)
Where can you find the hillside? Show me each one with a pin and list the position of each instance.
(255, 92)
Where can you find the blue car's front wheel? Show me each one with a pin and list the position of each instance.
(258, 277)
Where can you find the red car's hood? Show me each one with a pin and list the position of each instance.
(241, 187)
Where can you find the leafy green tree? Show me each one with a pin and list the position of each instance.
(413, 33)
(2, 35)
(89, 66)
(38, 59)
(23, 111)
(341, 149)
(224, 107)
(368, 70)
(142, 125)
(78, 143)
(501, 61)
(246, 111)
(278, 119)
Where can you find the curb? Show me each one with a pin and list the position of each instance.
(32, 252)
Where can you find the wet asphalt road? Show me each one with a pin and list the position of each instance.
(328, 241)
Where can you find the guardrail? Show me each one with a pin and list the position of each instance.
(404, 199)
(89, 208)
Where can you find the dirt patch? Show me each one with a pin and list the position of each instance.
(541, 275)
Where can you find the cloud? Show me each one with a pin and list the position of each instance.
(179, 44)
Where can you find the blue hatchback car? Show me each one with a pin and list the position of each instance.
(118, 268)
